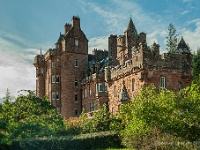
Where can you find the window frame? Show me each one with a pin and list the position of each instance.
(92, 106)
(76, 113)
(162, 82)
(100, 87)
(76, 83)
(105, 87)
(76, 42)
(55, 78)
(115, 91)
(55, 96)
(133, 84)
(85, 92)
(76, 63)
(53, 64)
(76, 98)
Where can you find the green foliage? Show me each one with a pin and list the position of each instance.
(101, 120)
(171, 38)
(155, 117)
(196, 64)
(27, 117)
(100, 140)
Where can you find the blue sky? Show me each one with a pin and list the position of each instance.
(30, 25)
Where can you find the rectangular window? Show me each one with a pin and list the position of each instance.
(41, 70)
(58, 109)
(76, 42)
(92, 107)
(100, 87)
(55, 79)
(76, 97)
(96, 88)
(76, 83)
(85, 91)
(76, 113)
(115, 91)
(133, 84)
(162, 83)
(90, 91)
(76, 63)
(55, 96)
(52, 64)
(106, 87)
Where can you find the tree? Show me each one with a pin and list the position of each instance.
(171, 38)
(153, 118)
(29, 117)
(196, 64)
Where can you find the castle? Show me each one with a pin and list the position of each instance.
(75, 80)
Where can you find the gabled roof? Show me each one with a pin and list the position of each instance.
(123, 96)
(60, 38)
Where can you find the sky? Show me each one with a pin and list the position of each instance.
(26, 26)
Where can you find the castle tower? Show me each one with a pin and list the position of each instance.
(74, 60)
(112, 49)
(131, 36)
(40, 75)
(121, 49)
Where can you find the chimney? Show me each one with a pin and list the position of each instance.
(76, 22)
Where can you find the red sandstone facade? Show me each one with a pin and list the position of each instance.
(75, 80)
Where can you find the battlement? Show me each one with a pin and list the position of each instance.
(38, 60)
(76, 17)
(99, 54)
(120, 71)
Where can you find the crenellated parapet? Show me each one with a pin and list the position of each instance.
(119, 71)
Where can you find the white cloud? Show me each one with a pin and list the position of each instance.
(159, 37)
(98, 42)
(16, 74)
(184, 12)
(117, 22)
(192, 36)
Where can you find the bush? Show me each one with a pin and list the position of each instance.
(29, 116)
(99, 140)
(155, 117)
(100, 121)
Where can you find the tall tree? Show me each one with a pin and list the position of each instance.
(196, 64)
(171, 38)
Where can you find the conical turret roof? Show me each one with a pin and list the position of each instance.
(131, 26)
(183, 47)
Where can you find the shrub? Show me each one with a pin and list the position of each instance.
(155, 117)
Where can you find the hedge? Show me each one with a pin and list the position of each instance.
(100, 140)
